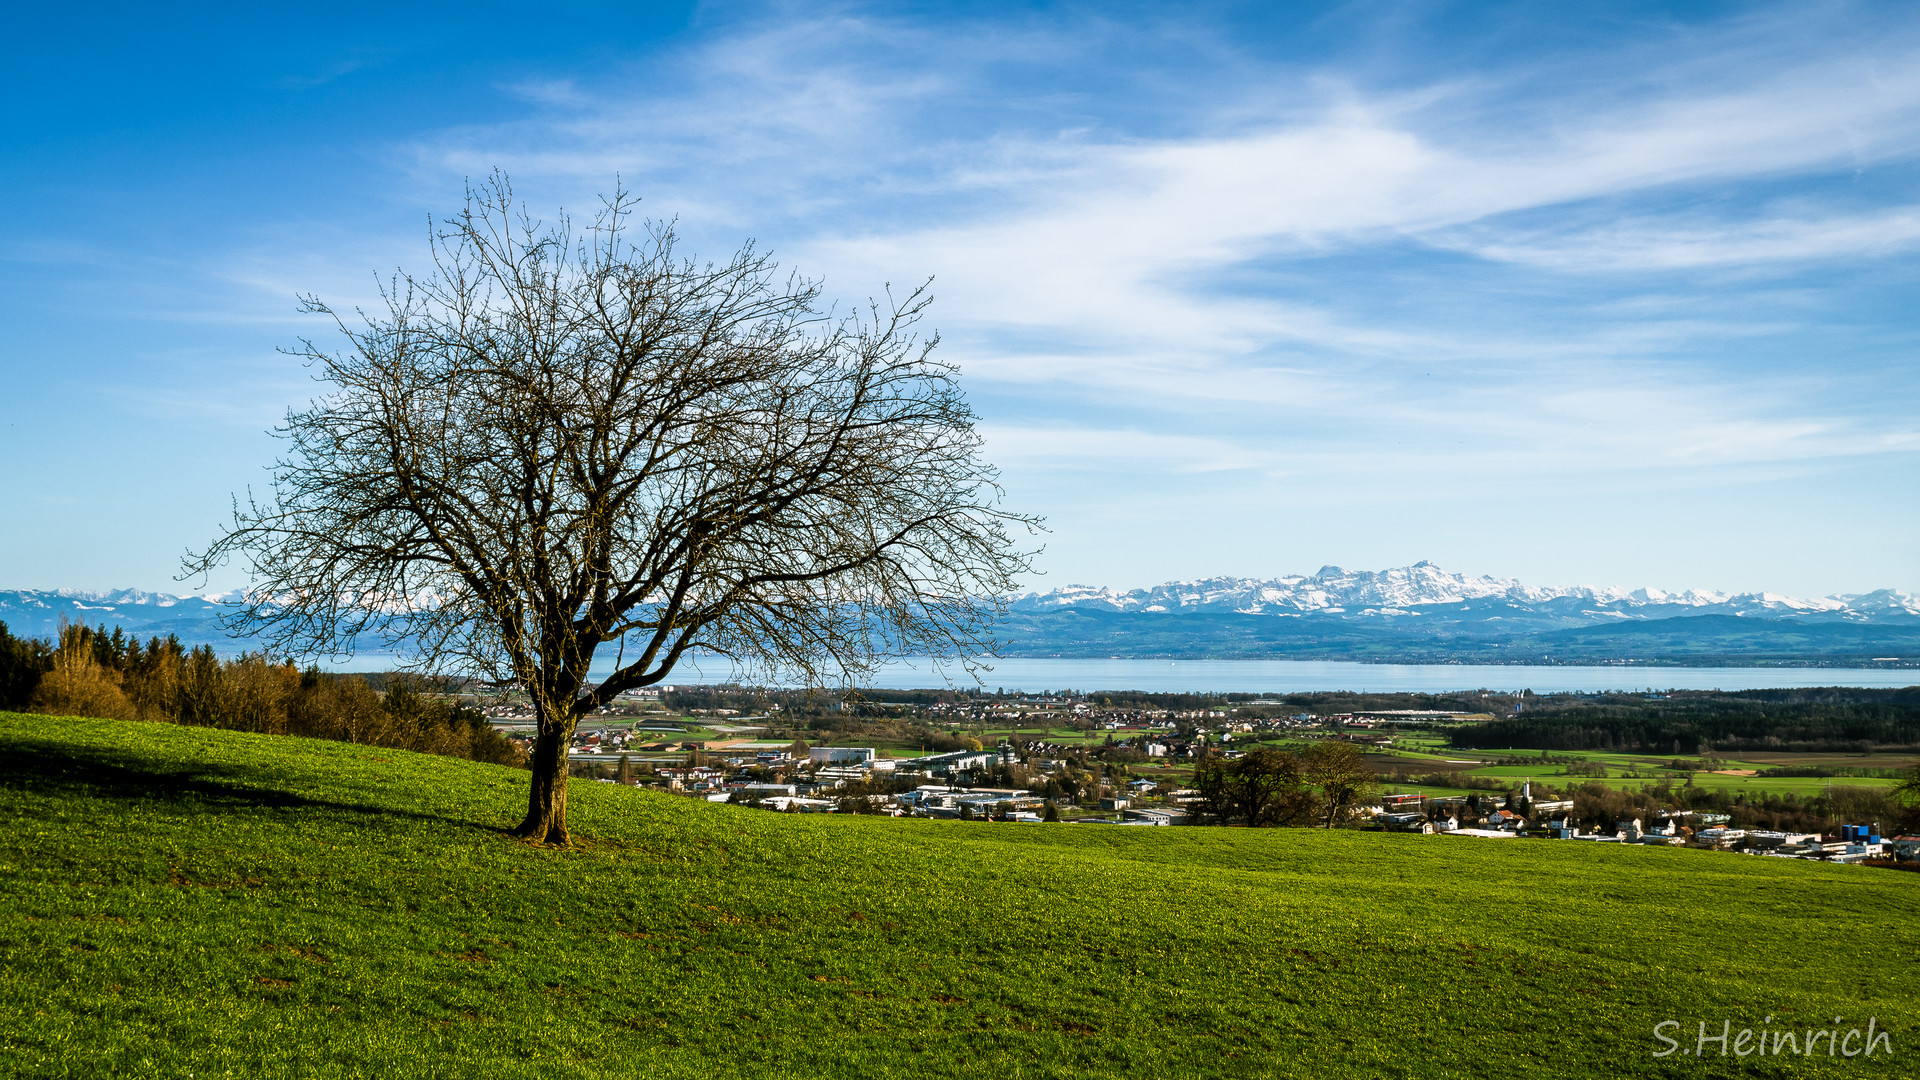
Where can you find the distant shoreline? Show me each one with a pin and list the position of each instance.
(1306, 676)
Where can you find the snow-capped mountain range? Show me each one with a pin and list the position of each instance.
(1415, 613)
(194, 617)
(37, 612)
(1424, 588)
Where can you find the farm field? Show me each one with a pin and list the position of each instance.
(1834, 761)
(1436, 791)
(1638, 770)
(179, 901)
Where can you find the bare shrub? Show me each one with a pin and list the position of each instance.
(78, 685)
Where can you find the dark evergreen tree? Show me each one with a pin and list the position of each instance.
(22, 662)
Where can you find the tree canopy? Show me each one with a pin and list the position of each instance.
(1267, 786)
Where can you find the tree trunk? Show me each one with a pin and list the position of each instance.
(546, 821)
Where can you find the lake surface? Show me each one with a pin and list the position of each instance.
(1298, 676)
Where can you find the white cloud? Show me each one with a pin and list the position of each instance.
(1122, 241)
(1153, 278)
(1677, 243)
(1134, 451)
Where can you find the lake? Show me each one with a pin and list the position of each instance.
(1299, 676)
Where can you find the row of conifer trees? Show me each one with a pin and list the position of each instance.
(93, 672)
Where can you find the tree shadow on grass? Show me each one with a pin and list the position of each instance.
(64, 770)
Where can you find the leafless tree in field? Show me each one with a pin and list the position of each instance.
(1339, 771)
(566, 443)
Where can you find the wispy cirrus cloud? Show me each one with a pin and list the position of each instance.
(1682, 241)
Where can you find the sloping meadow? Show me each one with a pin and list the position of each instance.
(180, 901)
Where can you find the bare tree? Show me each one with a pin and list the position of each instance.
(1907, 798)
(563, 443)
(1339, 770)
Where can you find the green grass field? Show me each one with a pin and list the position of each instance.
(1646, 770)
(184, 902)
(1430, 790)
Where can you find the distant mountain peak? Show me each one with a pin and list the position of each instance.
(1371, 593)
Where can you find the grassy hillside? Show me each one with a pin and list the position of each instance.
(179, 901)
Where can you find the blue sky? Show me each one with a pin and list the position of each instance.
(1606, 294)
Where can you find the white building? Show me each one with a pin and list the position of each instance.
(842, 755)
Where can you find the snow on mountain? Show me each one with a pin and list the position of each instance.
(116, 597)
(1881, 602)
(37, 612)
(1326, 589)
(1332, 590)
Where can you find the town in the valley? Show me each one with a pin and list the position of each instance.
(1134, 760)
